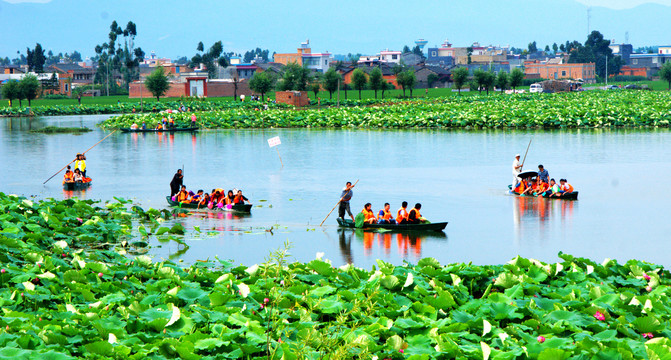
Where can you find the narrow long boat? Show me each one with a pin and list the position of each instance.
(76, 185)
(127, 130)
(396, 227)
(565, 196)
(241, 208)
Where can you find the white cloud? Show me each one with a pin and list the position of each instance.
(623, 4)
(164, 37)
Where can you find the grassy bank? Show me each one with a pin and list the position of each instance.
(587, 109)
(68, 291)
(61, 130)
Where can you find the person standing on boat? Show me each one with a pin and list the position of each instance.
(345, 197)
(517, 169)
(80, 163)
(543, 174)
(176, 182)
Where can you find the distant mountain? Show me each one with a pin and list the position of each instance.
(173, 28)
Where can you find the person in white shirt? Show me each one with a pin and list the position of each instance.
(517, 169)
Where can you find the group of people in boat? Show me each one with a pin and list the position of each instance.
(218, 198)
(165, 124)
(79, 173)
(540, 185)
(384, 216)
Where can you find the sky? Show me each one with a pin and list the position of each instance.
(173, 28)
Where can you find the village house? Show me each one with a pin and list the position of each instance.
(558, 70)
(319, 62)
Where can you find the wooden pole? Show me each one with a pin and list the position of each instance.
(76, 159)
(525, 154)
(336, 205)
(278, 154)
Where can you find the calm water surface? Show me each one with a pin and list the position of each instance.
(458, 176)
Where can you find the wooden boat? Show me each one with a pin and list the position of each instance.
(76, 185)
(126, 130)
(569, 196)
(242, 208)
(396, 227)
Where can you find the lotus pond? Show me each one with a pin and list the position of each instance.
(68, 290)
(589, 109)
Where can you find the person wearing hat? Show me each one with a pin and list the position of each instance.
(517, 169)
(543, 174)
(80, 163)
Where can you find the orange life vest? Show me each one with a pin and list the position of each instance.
(368, 214)
(69, 176)
(519, 188)
(182, 196)
(386, 216)
(567, 188)
(541, 188)
(417, 214)
(401, 214)
(238, 199)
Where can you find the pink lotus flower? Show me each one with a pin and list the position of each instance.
(540, 339)
(100, 275)
(266, 300)
(281, 282)
(3, 271)
(80, 220)
(648, 288)
(646, 276)
(648, 335)
(400, 350)
(600, 316)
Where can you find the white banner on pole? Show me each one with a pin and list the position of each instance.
(272, 142)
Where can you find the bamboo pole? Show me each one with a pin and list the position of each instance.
(525, 155)
(110, 134)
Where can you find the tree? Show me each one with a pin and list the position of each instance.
(359, 80)
(376, 80)
(418, 51)
(516, 77)
(157, 83)
(502, 80)
(261, 83)
(30, 87)
(547, 48)
(664, 73)
(296, 77)
(469, 52)
(480, 78)
(555, 47)
(431, 79)
(406, 80)
(330, 81)
(596, 49)
(406, 49)
(315, 87)
(459, 77)
(532, 47)
(386, 86)
(489, 80)
(11, 91)
(200, 46)
(562, 47)
(212, 57)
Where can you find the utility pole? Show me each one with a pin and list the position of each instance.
(338, 92)
(606, 70)
(108, 78)
(589, 16)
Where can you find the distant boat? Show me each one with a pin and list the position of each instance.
(157, 130)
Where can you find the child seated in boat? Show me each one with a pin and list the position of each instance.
(159, 127)
(530, 188)
(69, 176)
(541, 188)
(520, 187)
(78, 178)
(239, 198)
(369, 216)
(565, 187)
(183, 195)
(229, 198)
(384, 216)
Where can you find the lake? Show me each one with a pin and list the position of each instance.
(458, 176)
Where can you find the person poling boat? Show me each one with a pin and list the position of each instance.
(80, 163)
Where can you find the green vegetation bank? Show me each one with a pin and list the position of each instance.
(68, 289)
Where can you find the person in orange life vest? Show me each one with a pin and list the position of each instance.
(195, 198)
(566, 188)
(402, 213)
(239, 198)
(69, 176)
(384, 216)
(171, 122)
(204, 200)
(520, 186)
(529, 189)
(369, 216)
(541, 188)
(159, 126)
(183, 195)
(414, 216)
(229, 198)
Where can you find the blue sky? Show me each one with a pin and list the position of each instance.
(173, 28)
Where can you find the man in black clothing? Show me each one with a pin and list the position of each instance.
(176, 182)
(345, 197)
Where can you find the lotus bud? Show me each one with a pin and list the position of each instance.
(646, 276)
(540, 339)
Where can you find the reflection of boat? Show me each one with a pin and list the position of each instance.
(76, 185)
(396, 227)
(243, 208)
(158, 131)
(568, 196)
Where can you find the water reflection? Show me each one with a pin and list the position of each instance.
(407, 244)
(79, 194)
(541, 214)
